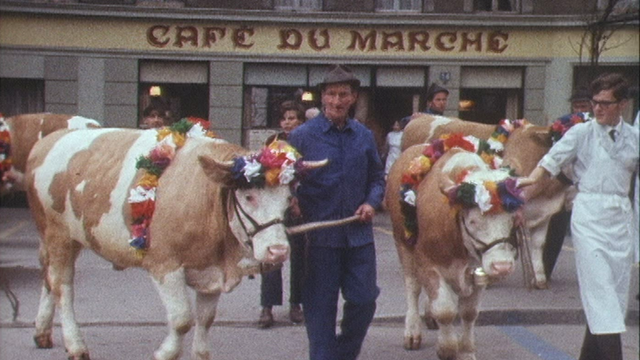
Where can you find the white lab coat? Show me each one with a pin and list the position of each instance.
(394, 140)
(602, 221)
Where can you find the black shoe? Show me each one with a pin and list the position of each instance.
(266, 318)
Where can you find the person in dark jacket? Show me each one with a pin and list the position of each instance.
(342, 259)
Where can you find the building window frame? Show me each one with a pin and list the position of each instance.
(396, 6)
(297, 5)
(493, 6)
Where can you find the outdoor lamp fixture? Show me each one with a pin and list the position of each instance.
(445, 77)
(155, 91)
(307, 96)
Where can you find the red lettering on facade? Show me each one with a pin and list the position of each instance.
(157, 35)
(392, 40)
(241, 37)
(419, 38)
(313, 40)
(210, 36)
(366, 43)
(449, 37)
(497, 41)
(186, 34)
(468, 40)
(290, 39)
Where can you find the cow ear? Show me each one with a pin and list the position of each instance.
(217, 171)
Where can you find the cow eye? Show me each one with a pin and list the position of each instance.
(248, 198)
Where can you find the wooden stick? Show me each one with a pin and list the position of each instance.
(299, 229)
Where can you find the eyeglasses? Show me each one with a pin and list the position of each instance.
(603, 104)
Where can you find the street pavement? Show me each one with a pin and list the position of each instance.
(122, 317)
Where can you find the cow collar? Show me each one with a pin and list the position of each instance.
(475, 251)
(256, 227)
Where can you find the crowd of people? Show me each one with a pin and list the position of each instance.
(599, 157)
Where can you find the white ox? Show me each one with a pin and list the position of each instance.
(24, 131)
(525, 147)
(450, 246)
(205, 233)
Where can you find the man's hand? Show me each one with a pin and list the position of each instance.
(366, 212)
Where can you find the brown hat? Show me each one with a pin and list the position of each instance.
(434, 89)
(339, 74)
(580, 94)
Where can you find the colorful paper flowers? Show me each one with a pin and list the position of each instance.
(563, 124)
(486, 196)
(143, 195)
(274, 165)
(5, 148)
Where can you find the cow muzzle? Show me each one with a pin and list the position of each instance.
(276, 254)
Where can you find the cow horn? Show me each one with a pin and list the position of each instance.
(446, 183)
(223, 164)
(314, 164)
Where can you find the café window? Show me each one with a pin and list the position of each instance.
(399, 5)
(488, 94)
(21, 96)
(298, 4)
(180, 89)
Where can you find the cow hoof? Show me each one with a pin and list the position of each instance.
(43, 341)
(541, 285)
(82, 356)
(412, 343)
(466, 356)
(431, 323)
(446, 354)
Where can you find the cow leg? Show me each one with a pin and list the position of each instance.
(206, 305)
(173, 293)
(443, 307)
(58, 256)
(468, 315)
(412, 325)
(536, 247)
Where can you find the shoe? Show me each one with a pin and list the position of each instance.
(266, 318)
(295, 314)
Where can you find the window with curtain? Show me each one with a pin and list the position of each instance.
(496, 5)
(298, 4)
(21, 96)
(399, 5)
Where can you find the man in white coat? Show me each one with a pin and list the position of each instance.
(604, 157)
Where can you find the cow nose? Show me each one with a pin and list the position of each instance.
(502, 268)
(277, 254)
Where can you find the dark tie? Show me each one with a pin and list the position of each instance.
(612, 133)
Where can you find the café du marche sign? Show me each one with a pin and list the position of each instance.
(326, 40)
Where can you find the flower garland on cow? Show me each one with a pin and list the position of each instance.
(143, 195)
(5, 149)
(276, 164)
(563, 124)
(488, 195)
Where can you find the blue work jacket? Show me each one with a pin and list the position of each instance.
(353, 176)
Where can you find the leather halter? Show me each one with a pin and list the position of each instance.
(477, 253)
(257, 227)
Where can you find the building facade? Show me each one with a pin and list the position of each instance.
(233, 62)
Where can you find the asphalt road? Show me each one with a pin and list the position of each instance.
(122, 317)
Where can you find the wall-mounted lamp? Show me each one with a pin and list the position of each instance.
(155, 91)
(307, 96)
(445, 76)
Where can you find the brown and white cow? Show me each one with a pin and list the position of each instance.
(450, 246)
(205, 232)
(24, 131)
(525, 147)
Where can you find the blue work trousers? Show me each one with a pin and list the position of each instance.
(330, 271)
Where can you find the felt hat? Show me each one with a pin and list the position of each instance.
(580, 94)
(434, 89)
(339, 74)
